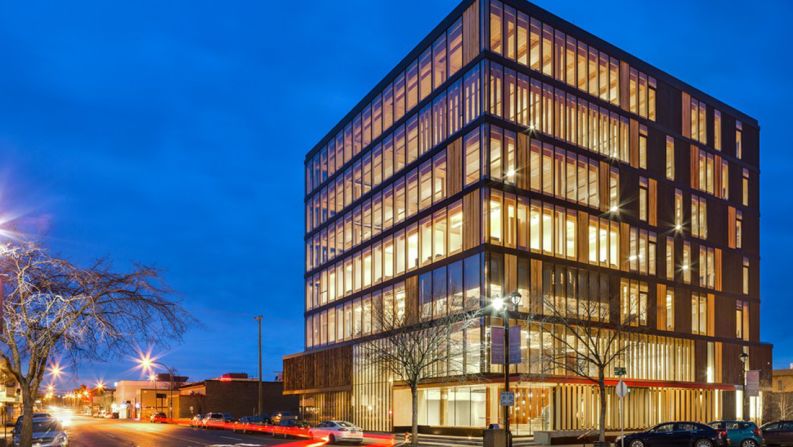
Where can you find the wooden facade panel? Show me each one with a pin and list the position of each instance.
(583, 236)
(331, 368)
(653, 202)
(471, 33)
(634, 143)
(685, 113)
(454, 162)
(603, 187)
(412, 299)
(660, 307)
(510, 273)
(731, 226)
(472, 215)
(523, 174)
(625, 86)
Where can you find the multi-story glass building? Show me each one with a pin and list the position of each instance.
(512, 151)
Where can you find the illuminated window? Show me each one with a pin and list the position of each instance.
(471, 143)
(669, 302)
(686, 266)
(670, 258)
(670, 158)
(745, 187)
(699, 217)
(738, 229)
(739, 319)
(496, 30)
(633, 302)
(678, 209)
(699, 314)
(455, 52)
(643, 147)
(495, 217)
(717, 130)
(439, 61)
(455, 227)
(643, 198)
(738, 139)
(745, 276)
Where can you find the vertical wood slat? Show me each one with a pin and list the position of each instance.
(711, 314)
(583, 236)
(604, 186)
(693, 155)
(653, 202)
(412, 299)
(454, 160)
(510, 273)
(731, 226)
(625, 86)
(625, 230)
(523, 172)
(685, 128)
(660, 308)
(535, 286)
(718, 268)
(634, 143)
(471, 43)
(471, 220)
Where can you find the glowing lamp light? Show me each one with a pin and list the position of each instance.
(511, 173)
(614, 209)
(678, 227)
(498, 303)
(56, 370)
(684, 267)
(152, 377)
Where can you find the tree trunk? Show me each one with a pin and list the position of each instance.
(26, 435)
(602, 422)
(414, 432)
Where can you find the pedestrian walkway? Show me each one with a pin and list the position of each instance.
(468, 441)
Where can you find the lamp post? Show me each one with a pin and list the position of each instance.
(146, 363)
(744, 407)
(258, 319)
(500, 305)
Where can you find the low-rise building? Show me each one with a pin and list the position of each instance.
(236, 394)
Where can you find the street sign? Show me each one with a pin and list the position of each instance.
(619, 371)
(507, 398)
(622, 389)
(753, 383)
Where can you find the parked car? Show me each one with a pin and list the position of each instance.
(216, 420)
(337, 431)
(292, 427)
(740, 433)
(158, 418)
(47, 432)
(778, 433)
(250, 423)
(676, 434)
(196, 420)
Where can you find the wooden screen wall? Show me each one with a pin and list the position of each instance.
(471, 44)
(331, 368)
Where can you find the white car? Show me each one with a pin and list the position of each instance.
(47, 432)
(337, 431)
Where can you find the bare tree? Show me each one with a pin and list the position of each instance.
(414, 351)
(584, 342)
(53, 307)
(784, 404)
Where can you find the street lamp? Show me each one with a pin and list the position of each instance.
(147, 363)
(744, 407)
(500, 306)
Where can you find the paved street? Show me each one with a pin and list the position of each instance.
(91, 432)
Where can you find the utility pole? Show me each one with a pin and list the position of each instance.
(258, 319)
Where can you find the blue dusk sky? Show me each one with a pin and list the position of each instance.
(173, 134)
